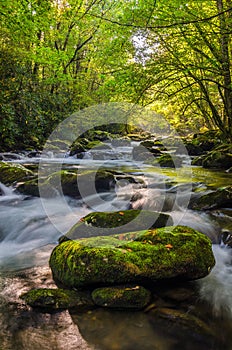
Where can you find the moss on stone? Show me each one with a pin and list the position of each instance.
(138, 257)
(67, 183)
(105, 223)
(221, 198)
(131, 296)
(54, 299)
(220, 157)
(12, 173)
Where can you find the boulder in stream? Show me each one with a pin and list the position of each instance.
(142, 257)
(221, 198)
(69, 183)
(11, 173)
(108, 223)
(220, 157)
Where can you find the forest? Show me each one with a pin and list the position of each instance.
(58, 57)
(115, 175)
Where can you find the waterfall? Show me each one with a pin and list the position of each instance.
(216, 288)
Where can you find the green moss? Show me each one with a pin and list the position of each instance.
(219, 157)
(133, 297)
(222, 197)
(67, 183)
(57, 299)
(12, 173)
(105, 223)
(143, 256)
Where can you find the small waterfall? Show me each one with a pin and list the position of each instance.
(6, 191)
(216, 288)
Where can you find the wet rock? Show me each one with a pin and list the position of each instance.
(177, 293)
(220, 157)
(221, 198)
(105, 223)
(184, 325)
(121, 142)
(142, 153)
(169, 161)
(69, 183)
(55, 299)
(123, 297)
(12, 173)
(82, 145)
(140, 257)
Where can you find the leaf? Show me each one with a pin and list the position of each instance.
(168, 246)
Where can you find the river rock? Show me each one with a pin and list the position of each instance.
(55, 299)
(124, 297)
(142, 153)
(182, 325)
(220, 157)
(139, 257)
(221, 198)
(108, 223)
(12, 173)
(68, 183)
(168, 161)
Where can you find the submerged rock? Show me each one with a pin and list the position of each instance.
(184, 326)
(129, 297)
(105, 223)
(55, 299)
(139, 257)
(221, 198)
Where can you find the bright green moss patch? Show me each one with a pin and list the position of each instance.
(105, 223)
(130, 297)
(11, 173)
(57, 299)
(139, 257)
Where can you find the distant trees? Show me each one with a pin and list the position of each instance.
(59, 56)
(189, 64)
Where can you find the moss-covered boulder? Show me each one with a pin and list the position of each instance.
(140, 257)
(29, 188)
(221, 198)
(168, 161)
(69, 183)
(108, 223)
(123, 297)
(83, 144)
(12, 173)
(220, 157)
(54, 299)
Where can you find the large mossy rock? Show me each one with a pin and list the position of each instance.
(221, 198)
(125, 297)
(140, 257)
(220, 157)
(203, 142)
(12, 173)
(108, 223)
(69, 183)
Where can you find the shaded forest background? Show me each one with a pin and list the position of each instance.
(59, 56)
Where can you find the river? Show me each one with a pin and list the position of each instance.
(30, 228)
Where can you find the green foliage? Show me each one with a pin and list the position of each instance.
(59, 57)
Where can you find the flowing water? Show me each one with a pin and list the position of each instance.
(30, 228)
